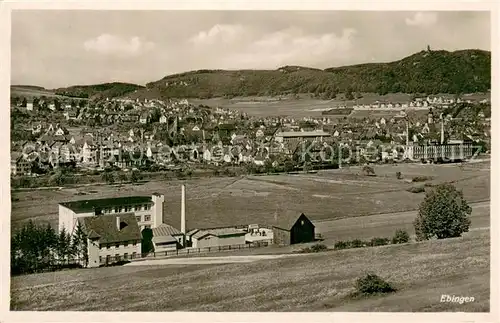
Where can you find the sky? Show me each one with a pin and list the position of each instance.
(62, 48)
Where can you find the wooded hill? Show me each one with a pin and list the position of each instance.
(431, 72)
(464, 71)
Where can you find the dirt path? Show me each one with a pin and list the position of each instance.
(209, 260)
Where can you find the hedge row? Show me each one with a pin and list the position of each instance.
(400, 236)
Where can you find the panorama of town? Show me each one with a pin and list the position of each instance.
(358, 188)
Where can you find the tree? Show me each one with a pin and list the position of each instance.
(122, 177)
(108, 177)
(135, 176)
(63, 245)
(442, 214)
(79, 244)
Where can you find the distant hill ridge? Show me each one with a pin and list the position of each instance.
(429, 71)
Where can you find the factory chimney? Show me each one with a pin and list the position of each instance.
(407, 134)
(442, 130)
(183, 209)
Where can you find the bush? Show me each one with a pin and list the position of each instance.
(318, 248)
(379, 241)
(357, 243)
(416, 189)
(368, 171)
(421, 179)
(443, 214)
(373, 284)
(398, 175)
(401, 236)
(342, 245)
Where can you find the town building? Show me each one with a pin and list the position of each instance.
(19, 165)
(288, 136)
(148, 210)
(290, 228)
(449, 151)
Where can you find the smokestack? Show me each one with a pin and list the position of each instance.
(407, 134)
(118, 223)
(183, 209)
(442, 130)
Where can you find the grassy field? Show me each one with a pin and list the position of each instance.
(213, 202)
(305, 106)
(421, 272)
(32, 92)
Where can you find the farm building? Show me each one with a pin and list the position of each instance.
(290, 228)
(215, 237)
(166, 237)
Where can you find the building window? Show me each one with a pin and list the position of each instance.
(100, 259)
(117, 257)
(100, 246)
(134, 255)
(117, 209)
(147, 217)
(147, 227)
(125, 256)
(138, 218)
(117, 245)
(107, 246)
(125, 244)
(148, 207)
(134, 243)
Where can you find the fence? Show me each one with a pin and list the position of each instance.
(109, 260)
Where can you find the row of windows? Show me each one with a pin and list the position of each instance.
(147, 217)
(118, 245)
(118, 257)
(130, 208)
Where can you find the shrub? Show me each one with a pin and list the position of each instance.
(401, 236)
(398, 175)
(342, 245)
(373, 284)
(416, 189)
(318, 247)
(368, 171)
(421, 179)
(357, 243)
(379, 241)
(443, 214)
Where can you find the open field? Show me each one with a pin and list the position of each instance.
(421, 272)
(32, 92)
(333, 194)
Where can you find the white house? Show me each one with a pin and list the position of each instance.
(148, 210)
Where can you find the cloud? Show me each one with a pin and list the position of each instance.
(218, 33)
(113, 45)
(291, 46)
(422, 19)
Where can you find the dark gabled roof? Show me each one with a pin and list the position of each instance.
(105, 229)
(286, 219)
(89, 205)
